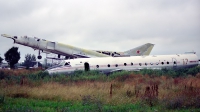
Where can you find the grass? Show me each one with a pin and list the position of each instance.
(35, 105)
(93, 91)
(22, 104)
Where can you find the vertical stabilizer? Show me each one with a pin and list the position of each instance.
(141, 50)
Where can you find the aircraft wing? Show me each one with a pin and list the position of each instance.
(81, 56)
(109, 53)
(68, 56)
(116, 70)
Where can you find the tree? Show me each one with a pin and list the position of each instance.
(12, 56)
(29, 60)
(1, 59)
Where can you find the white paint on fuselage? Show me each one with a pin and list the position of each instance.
(128, 63)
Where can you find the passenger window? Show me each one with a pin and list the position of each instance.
(124, 64)
(157, 63)
(132, 64)
(116, 65)
(162, 63)
(108, 65)
(146, 64)
(140, 64)
(174, 62)
(151, 63)
(167, 62)
(97, 66)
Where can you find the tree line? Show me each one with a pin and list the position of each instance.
(12, 56)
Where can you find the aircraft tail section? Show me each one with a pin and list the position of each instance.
(140, 50)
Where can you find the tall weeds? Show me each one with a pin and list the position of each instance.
(167, 88)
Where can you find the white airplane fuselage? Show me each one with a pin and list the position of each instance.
(111, 64)
(74, 52)
(54, 47)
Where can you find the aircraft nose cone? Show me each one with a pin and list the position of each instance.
(5, 35)
(8, 36)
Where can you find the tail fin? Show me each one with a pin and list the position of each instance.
(141, 50)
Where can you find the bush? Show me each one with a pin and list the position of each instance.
(89, 100)
(2, 99)
(2, 75)
(174, 103)
(193, 71)
(38, 76)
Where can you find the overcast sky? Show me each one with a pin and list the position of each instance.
(117, 25)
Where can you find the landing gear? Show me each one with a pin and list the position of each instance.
(39, 56)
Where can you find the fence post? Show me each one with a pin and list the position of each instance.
(111, 90)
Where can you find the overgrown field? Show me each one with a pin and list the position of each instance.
(146, 90)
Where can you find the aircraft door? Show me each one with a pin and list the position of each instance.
(174, 61)
(86, 66)
(185, 61)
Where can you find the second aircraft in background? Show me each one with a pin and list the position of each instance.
(74, 52)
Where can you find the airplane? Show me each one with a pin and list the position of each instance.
(135, 63)
(74, 52)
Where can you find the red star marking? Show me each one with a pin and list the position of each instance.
(138, 51)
